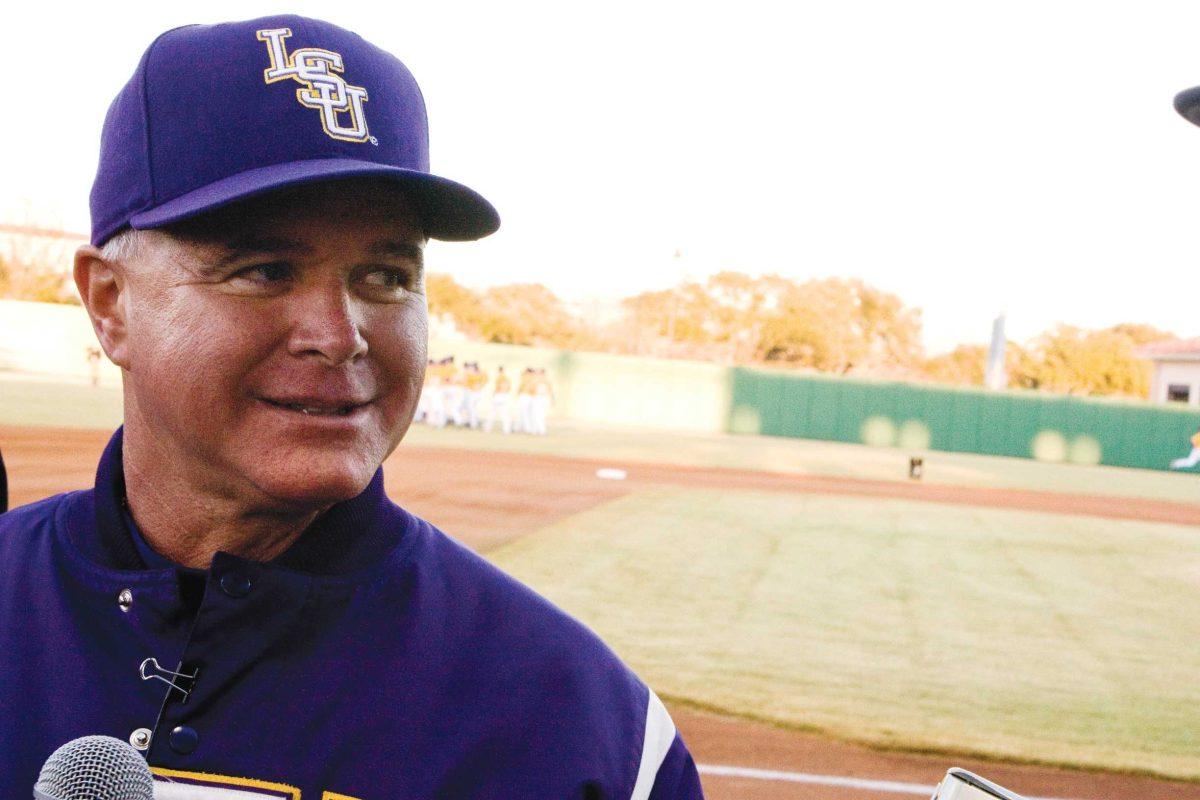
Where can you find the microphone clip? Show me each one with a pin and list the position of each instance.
(181, 682)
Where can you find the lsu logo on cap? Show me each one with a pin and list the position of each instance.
(321, 88)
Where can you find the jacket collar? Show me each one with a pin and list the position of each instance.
(350, 536)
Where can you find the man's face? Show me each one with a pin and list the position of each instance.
(275, 350)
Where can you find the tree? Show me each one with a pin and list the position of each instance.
(1102, 362)
(682, 315)
(837, 325)
(526, 313)
(447, 296)
(739, 306)
(35, 266)
(964, 365)
(893, 332)
(1141, 334)
(1021, 364)
(518, 313)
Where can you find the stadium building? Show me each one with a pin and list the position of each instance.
(1176, 371)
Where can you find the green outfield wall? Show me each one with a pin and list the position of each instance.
(916, 417)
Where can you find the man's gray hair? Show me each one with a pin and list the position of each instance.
(123, 246)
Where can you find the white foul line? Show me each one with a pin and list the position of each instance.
(893, 787)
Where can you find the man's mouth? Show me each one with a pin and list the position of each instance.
(316, 410)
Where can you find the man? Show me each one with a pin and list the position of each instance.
(237, 597)
(543, 395)
(475, 380)
(501, 399)
(524, 423)
(455, 393)
(1192, 458)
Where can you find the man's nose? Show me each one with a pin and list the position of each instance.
(328, 326)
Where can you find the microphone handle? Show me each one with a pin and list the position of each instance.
(3, 486)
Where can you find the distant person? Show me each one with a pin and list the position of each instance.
(476, 379)
(456, 393)
(524, 421)
(1193, 458)
(543, 396)
(437, 392)
(93, 358)
(501, 402)
(422, 415)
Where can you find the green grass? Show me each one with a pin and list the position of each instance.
(29, 402)
(1022, 636)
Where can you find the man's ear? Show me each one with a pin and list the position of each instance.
(101, 285)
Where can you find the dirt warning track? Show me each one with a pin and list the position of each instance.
(484, 496)
(462, 484)
(485, 499)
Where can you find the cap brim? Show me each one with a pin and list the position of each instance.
(1187, 103)
(450, 211)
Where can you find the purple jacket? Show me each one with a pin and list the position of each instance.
(375, 660)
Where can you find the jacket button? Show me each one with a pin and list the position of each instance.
(184, 740)
(140, 739)
(235, 584)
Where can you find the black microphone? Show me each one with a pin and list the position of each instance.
(3, 486)
(95, 768)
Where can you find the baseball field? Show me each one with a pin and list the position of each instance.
(821, 625)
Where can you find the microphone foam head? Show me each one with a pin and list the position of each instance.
(95, 768)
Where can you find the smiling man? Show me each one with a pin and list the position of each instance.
(273, 353)
(237, 597)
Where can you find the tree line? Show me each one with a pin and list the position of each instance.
(834, 325)
(24, 274)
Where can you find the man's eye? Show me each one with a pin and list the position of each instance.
(266, 273)
(387, 278)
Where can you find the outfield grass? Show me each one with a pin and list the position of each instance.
(39, 402)
(1034, 637)
(27, 400)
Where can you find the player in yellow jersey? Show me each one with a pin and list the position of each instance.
(437, 391)
(422, 414)
(543, 395)
(456, 393)
(475, 379)
(501, 402)
(524, 421)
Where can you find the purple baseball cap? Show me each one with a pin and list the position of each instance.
(218, 113)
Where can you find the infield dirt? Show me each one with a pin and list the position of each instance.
(479, 497)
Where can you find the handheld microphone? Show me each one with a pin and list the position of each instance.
(95, 768)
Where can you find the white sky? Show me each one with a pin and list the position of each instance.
(971, 157)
